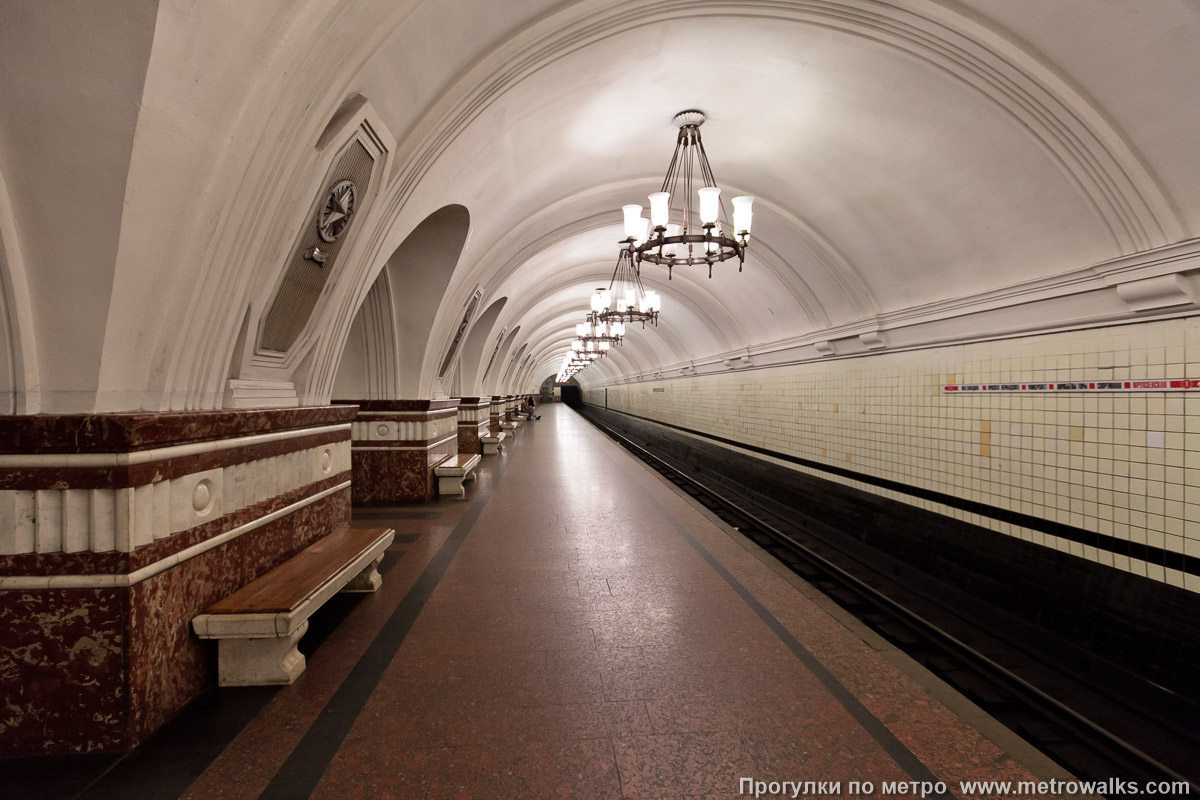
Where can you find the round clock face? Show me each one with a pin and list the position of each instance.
(335, 214)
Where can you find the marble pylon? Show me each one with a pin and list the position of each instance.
(117, 529)
(395, 446)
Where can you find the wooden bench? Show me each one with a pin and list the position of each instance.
(259, 625)
(453, 471)
(493, 445)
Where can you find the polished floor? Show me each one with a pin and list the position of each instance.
(574, 628)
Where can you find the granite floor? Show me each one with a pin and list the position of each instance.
(574, 628)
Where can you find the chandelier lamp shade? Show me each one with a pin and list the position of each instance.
(576, 360)
(589, 349)
(610, 333)
(625, 300)
(688, 227)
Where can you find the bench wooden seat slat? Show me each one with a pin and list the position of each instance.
(258, 626)
(284, 588)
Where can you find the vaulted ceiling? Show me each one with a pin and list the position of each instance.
(914, 161)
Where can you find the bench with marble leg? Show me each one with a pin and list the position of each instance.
(258, 626)
(493, 445)
(454, 471)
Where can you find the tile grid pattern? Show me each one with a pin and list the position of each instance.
(1091, 461)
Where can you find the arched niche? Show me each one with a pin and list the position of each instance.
(367, 369)
(491, 375)
(471, 366)
(9, 381)
(388, 340)
(418, 272)
(20, 384)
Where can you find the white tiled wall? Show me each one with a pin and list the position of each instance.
(1088, 460)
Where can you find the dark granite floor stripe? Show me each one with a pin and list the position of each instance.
(899, 753)
(300, 774)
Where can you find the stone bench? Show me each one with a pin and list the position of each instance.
(510, 426)
(492, 445)
(259, 625)
(453, 471)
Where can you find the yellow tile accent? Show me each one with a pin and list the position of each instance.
(1076, 433)
(835, 405)
(985, 426)
(847, 456)
(822, 452)
(949, 376)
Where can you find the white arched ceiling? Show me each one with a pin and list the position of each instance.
(907, 155)
(902, 156)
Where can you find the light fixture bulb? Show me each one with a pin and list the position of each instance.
(633, 220)
(617, 328)
(659, 208)
(710, 204)
(581, 329)
(643, 232)
(672, 249)
(743, 214)
(601, 300)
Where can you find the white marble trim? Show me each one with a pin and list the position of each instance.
(437, 412)
(150, 570)
(355, 445)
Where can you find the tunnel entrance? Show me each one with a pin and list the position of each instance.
(572, 396)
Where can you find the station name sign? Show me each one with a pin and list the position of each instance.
(1150, 385)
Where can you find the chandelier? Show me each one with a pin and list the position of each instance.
(625, 299)
(575, 361)
(596, 331)
(589, 349)
(678, 238)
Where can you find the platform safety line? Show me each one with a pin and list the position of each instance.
(904, 758)
(308, 762)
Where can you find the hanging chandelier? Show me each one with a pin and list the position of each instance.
(589, 349)
(625, 299)
(678, 237)
(574, 362)
(596, 331)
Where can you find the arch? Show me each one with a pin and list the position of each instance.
(20, 386)
(1116, 183)
(471, 362)
(492, 382)
(420, 269)
(367, 368)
